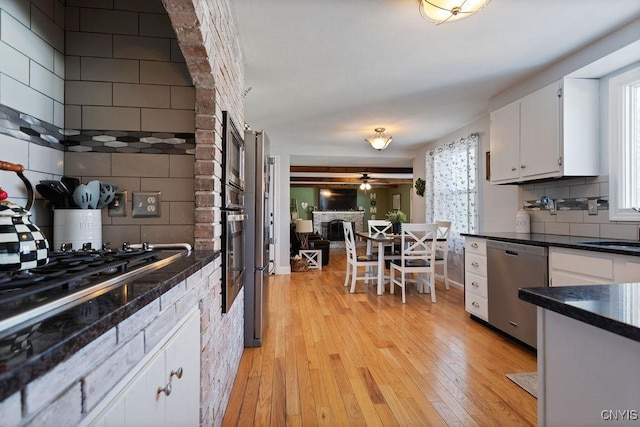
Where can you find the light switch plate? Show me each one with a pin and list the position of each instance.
(592, 206)
(145, 204)
(118, 207)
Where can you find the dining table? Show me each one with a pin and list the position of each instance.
(381, 239)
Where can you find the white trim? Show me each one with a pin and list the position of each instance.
(621, 171)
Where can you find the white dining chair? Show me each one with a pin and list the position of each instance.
(418, 251)
(442, 248)
(379, 226)
(355, 261)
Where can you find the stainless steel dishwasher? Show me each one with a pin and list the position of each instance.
(511, 266)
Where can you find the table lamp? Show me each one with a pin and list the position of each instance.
(304, 227)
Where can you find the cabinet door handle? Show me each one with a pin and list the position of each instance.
(522, 166)
(513, 169)
(474, 245)
(177, 373)
(475, 264)
(475, 284)
(475, 304)
(166, 389)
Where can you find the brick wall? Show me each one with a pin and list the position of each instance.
(209, 42)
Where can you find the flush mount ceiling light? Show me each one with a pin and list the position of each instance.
(441, 11)
(379, 141)
(365, 186)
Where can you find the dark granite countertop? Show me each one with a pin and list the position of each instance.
(67, 332)
(558, 240)
(614, 308)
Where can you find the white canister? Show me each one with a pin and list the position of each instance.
(77, 226)
(523, 222)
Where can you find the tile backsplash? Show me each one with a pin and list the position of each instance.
(576, 221)
(172, 175)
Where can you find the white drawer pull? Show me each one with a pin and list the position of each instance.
(474, 245)
(475, 304)
(475, 284)
(475, 264)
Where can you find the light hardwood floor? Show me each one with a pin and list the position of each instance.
(334, 358)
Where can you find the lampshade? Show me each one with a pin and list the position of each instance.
(304, 226)
(440, 11)
(379, 141)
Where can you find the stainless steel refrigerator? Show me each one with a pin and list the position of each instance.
(258, 225)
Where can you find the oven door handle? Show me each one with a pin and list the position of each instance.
(236, 217)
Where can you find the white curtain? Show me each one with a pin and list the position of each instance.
(451, 190)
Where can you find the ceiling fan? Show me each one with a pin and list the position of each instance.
(336, 177)
(365, 178)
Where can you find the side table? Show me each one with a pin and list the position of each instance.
(313, 257)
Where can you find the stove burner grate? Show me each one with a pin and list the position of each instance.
(67, 270)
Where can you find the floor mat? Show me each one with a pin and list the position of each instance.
(527, 380)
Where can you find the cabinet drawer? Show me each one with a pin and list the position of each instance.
(591, 265)
(475, 284)
(476, 305)
(474, 263)
(476, 246)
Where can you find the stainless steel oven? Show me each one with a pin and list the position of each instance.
(233, 266)
(234, 152)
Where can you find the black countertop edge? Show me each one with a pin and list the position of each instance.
(603, 315)
(16, 378)
(558, 240)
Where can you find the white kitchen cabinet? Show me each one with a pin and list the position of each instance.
(475, 277)
(163, 390)
(505, 143)
(569, 267)
(550, 133)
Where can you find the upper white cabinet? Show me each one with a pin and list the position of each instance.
(550, 133)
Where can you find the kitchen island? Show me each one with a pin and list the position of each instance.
(588, 354)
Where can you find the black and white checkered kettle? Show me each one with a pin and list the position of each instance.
(22, 244)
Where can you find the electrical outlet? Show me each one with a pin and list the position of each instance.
(145, 204)
(118, 207)
(592, 206)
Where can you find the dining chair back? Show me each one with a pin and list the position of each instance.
(418, 251)
(355, 261)
(380, 226)
(442, 248)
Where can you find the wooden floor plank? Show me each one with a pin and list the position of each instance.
(330, 357)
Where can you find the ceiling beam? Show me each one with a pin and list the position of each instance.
(350, 169)
(336, 185)
(338, 180)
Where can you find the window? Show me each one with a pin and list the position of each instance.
(452, 187)
(624, 140)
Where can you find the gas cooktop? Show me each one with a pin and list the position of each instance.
(68, 290)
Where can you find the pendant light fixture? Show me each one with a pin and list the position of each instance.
(441, 11)
(379, 141)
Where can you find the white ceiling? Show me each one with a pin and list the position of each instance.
(321, 75)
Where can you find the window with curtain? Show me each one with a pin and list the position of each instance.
(451, 192)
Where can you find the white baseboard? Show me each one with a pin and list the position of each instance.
(452, 283)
